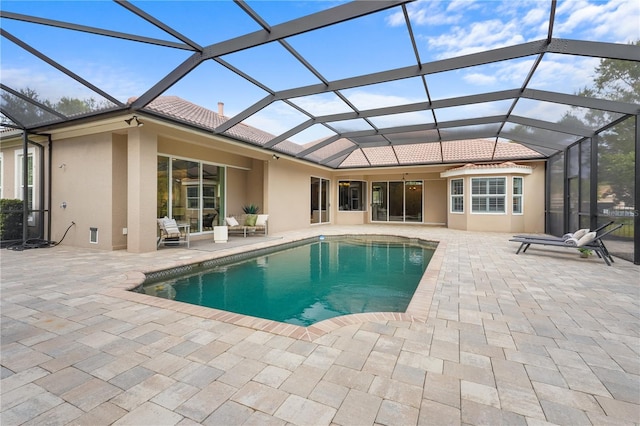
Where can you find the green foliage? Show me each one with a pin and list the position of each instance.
(10, 219)
(585, 251)
(251, 209)
(28, 112)
(615, 80)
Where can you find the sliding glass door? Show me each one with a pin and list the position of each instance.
(396, 201)
(190, 192)
(319, 200)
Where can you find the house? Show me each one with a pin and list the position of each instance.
(103, 183)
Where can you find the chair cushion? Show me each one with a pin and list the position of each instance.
(586, 239)
(250, 220)
(262, 220)
(580, 233)
(231, 221)
(171, 227)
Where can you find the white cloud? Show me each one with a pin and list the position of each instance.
(276, 119)
(615, 21)
(427, 13)
(367, 100)
(566, 74)
(478, 37)
(478, 79)
(536, 16)
(322, 106)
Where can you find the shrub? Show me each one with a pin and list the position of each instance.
(251, 209)
(10, 219)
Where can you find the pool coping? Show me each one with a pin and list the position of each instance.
(417, 310)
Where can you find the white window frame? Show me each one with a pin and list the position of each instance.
(453, 196)
(517, 196)
(19, 193)
(489, 195)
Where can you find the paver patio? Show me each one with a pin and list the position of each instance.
(538, 338)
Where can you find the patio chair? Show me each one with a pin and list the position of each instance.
(591, 241)
(578, 234)
(172, 234)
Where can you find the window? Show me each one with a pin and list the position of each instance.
(457, 195)
(20, 183)
(488, 195)
(518, 185)
(351, 195)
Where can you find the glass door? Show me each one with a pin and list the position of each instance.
(319, 200)
(413, 201)
(397, 201)
(379, 206)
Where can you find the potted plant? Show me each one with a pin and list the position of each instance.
(251, 214)
(585, 252)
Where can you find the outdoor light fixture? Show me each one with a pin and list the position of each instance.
(138, 122)
(275, 157)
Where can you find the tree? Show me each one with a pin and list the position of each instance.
(615, 80)
(29, 113)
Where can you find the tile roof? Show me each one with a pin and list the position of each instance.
(470, 150)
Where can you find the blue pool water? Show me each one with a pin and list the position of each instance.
(302, 285)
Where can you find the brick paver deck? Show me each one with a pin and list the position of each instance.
(491, 338)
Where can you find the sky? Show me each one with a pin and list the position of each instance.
(379, 42)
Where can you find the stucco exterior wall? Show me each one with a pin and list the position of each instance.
(236, 185)
(85, 184)
(435, 206)
(289, 196)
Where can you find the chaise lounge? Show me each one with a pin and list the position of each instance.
(591, 240)
(170, 232)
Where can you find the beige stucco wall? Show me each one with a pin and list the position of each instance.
(85, 184)
(288, 194)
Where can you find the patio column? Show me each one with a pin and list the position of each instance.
(142, 191)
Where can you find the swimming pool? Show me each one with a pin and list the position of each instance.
(304, 282)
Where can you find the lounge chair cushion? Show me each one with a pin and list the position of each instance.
(231, 221)
(577, 235)
(262, 220)
(170, 227)
(580, 233)
(572, 242)
(586, 239)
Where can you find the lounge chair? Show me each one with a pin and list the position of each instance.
(170, 232)
(591, 241)
(578, 234)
